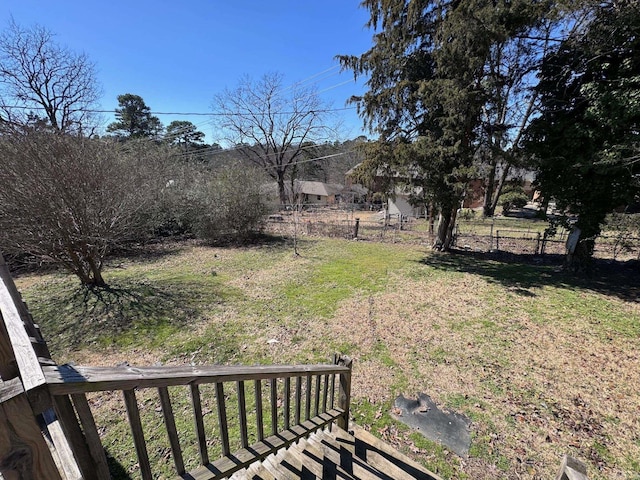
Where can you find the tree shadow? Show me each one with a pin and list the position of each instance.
(27, 264)
(143, 310)
(521, 273)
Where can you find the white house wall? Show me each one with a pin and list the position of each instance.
(401, 206)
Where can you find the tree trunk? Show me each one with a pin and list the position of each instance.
(579, 256)
(432, 218)
(446, 224)
(544, 206)
(498, 190)
(96, 273)
(488, 192)
(281, 190)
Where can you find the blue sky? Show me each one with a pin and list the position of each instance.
(178, 55)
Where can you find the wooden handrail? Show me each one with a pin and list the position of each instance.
(69, 385)
(67, 379)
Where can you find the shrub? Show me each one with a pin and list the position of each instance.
(71, 199)
(230, 206)
(513, 197)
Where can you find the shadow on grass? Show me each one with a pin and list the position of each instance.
(135, 312)
(117, 471)
(521, 272)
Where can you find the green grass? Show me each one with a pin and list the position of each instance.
(343, 269)
(517, 347)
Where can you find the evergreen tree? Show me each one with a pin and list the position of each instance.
(587, 139)
(185, 134)
(432, 90)
(134, 119)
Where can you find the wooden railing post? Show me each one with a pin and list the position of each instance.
(572, 469)
(23, 449)
(344, 395)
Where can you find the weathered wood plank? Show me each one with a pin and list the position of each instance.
(259, 421)
(28, 365)
(298, 400)
(91, 435)
(65, 379)
(172, 431)
(138, 434)
(344, 395)
(377, 452)
(310, 461)
(286, 402)
(325, 393)
(572, 469)
(10, 388)
(274, 406)
(316, 403)
(23, 450)
(196, 402)
(222, 418)
(332, 390)
(242, 414)
(257, 471)
(229, 464)
(61, 446)
(75, 437)
(8, 365)
(307, 398)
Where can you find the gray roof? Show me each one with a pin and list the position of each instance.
(318, 188)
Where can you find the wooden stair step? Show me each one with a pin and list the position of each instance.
(382, 456)
(241, 459)
(345, 460)
(314, 460)
(272, 464)
(258, 471)
(336, 455)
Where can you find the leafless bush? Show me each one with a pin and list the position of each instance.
(72, 199)
(230, 206)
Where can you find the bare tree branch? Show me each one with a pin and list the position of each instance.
(271, 123)
(37, 73)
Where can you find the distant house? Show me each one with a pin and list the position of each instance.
(318, 193)
(395, 184)
(355, 193)
(305, 192)
(399, 204)
(476, 188)
(398, 200)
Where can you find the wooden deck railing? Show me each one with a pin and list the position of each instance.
(285, 403)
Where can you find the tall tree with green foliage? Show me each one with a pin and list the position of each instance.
(429, 89)
(184, 134)
(134, 119)
(587, 139)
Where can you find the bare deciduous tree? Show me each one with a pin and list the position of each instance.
(270, 123)
(71, 199)
(37, 75)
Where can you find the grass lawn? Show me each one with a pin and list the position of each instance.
(543, 365)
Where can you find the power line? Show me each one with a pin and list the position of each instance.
(221, 151)
(210, 114)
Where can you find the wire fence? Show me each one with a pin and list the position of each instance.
(505, 234)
